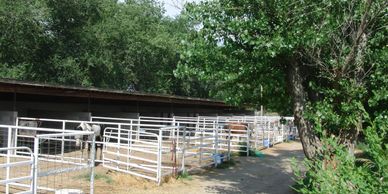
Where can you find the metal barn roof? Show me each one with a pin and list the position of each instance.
(27, 87)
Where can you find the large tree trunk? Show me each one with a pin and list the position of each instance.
(310, 141)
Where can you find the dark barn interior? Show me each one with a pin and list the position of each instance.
(27, 99)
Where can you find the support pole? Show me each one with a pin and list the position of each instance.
(9, 153)
(63, 141)
(35, 166)
(248, 140)
(200, 148)
(229, 144)
(91, 165)
(184, 150)
(159, 165)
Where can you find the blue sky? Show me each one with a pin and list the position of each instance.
(173, 6)
(171, 10)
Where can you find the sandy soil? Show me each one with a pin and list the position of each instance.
(269, 174)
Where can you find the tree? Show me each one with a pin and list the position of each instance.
(21, 35)
(318, 53)
(109, 44)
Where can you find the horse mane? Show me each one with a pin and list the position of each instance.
(94, 128)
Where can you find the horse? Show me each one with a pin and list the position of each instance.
(237, 127)
(98, 131)
(27, 132)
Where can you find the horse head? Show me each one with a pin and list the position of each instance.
(83, 126)
(96, 129)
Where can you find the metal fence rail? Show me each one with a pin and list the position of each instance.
(13, 173)
(141, 153)
(154, 147)
(48, 166)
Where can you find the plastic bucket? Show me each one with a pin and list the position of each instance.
(217, 159)
(222, 157)
(266, 143)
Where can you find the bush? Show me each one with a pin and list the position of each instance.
(337, 171)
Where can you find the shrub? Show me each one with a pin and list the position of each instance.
(335, 170)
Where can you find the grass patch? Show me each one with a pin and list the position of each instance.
(184, 176)
(235, 154)
(227, 164)
(242, 150)
(97, 176)
(287, 140)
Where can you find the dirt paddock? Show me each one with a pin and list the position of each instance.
(268, 174)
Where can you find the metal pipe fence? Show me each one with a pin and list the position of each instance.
(153, 147)
(43, 164)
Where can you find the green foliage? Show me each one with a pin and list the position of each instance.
(105, 43)
(340, 50)
(243, 150)
(97, 176)
(339, 111)
(337, 171)
(227, 164)
(185, 176)
(221, 53)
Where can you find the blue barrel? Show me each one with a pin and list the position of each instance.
(217, 159)
(266, 143)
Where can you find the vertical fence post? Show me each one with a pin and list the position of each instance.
(129, 134)
(184, 146)
(63, 141)
(32, 170)
(138, 129)
(9, 152)
(216, 141)
(159, 165)
(214, 134)
(248, 140)
(256, 131)
(35, 166)
(263, 125)
(129, 141)
(200, 148)
(197, 124)
(15, 136)
(229, 138)
(91, 164)
(118, 147)
(177, 137)
(268, 135)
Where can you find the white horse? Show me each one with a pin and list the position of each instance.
(28, 132)
(98, 132)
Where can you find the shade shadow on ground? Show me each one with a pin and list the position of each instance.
(269, 174)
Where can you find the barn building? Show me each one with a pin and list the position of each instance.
(29, 99)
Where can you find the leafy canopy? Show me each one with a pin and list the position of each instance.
(91, 43)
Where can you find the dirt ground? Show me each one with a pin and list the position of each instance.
(268, 174)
